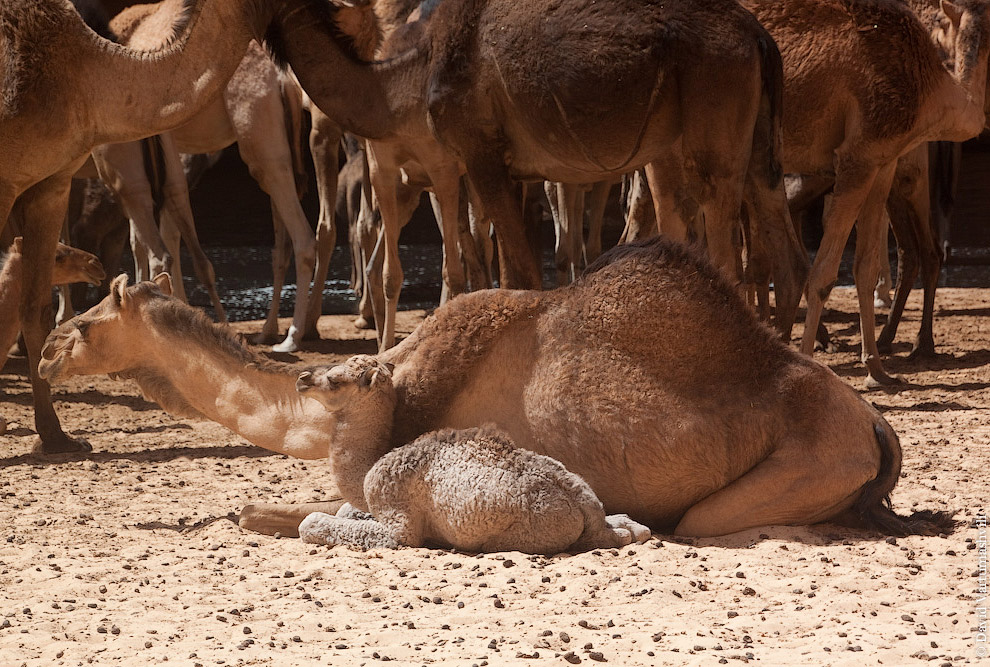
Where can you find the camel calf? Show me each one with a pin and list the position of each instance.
(470, 489)
(71, 266)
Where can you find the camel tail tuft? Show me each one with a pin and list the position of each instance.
(768, 133)
(873, 506)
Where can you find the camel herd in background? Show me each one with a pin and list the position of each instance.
(703, 106)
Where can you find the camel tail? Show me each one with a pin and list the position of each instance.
(768, 134)
(873, 507)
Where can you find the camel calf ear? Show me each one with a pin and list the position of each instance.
(952, 11)
(390, 368)
(18, 244)
(118, 289)
(164, 282)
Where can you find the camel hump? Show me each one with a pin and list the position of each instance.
(873, 507)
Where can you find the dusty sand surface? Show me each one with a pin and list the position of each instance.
(130, 555)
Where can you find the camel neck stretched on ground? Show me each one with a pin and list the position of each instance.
(66, 90)
(613, 377)
(217, 378)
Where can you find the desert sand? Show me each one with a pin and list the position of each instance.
(132, 556)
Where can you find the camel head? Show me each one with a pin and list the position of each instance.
(104, 339)
(71, 264)
(76, 266)
(964, 36)
(336, 387)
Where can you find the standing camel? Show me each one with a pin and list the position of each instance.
(66, 90)
(251, 113)
(575, 92)
(861, 89)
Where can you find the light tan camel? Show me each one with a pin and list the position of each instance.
(617, 379)
(71, 266)
(470, 489)
(52, 116)
(144, 176)
(863, 88)
(251, 113)
(514, 92)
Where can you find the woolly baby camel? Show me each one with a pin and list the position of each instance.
(649, 377)
(71, 266)
(470, 489)
(576, 92)
(862, 88)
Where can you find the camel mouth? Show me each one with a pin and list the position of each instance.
(50, 369)
(95, 275)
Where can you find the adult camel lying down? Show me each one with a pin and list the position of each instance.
(648, 377)
(470, 489)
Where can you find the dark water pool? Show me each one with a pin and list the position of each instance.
(244, 279)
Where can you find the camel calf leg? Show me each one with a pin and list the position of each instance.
(322, 528)
(268, 518)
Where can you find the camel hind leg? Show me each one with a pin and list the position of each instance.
(792, 489)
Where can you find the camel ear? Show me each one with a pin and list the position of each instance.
(164, 282)
(18, 244)
(390, 368)
(952, 11)
(118, 289)
(367, 377)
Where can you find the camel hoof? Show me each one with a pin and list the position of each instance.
(3, 425)
(637, 531)
(311, 334)
(923, 351)
(62, 445)
(264, 338)
(363, 323)
(290, 344)
(875, 381)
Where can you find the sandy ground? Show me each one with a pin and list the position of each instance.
(131, 555)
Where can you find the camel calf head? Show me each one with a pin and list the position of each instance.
(336, 387)
(76, 266)
(71, 264)
(103, 339)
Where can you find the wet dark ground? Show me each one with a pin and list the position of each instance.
(244, 279)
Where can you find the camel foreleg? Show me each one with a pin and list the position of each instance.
(269, 518)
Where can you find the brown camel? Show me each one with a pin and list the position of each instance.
(575, 92)
(470, 489)
(55, 107)
(71, 266)
(861, 89)
(676, 405)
